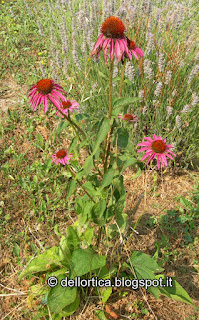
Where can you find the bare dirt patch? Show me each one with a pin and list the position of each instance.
(10, 93)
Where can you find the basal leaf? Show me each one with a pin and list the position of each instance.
(86, 260)
(44, 262)
(59, 297)
(175, 292)
(141, 259)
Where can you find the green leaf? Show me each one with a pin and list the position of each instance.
(89, 188)
(84, 207)
(71, 189)
(38, 290)
(102, 75)
(105, 273)
(107, 179)
(16, 250)
(175, 292)
(125, 101)
(105, 293)
(137, 174)
(63, 125)
(88, 164)
(64, 251)
(59, 297)
(128, 163)
(86, 260)
(80, 174)
(98, 211)
(103, 130)
(71, 308)
(73, 240)
(140, 259)
(73, 144)
(186, 203)
(145, 267)
(121, 138)
(128, 81)
(88, 235)
(40, 139)
(100, 314)
(44, 262)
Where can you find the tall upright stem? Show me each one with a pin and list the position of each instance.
(122, 78)
(110, 90)
(109, 116)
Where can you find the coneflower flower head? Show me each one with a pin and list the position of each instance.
(46, 88)
(158, 148)
(62, 156)
(112, 36)
(66, 106)
(129, 117)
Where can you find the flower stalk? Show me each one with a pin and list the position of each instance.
(109, 116)
(122, 78)
(80, 184)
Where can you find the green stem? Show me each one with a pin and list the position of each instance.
(109, 115)
(122, 78)
(107, 147)
(72, 123)
(110, 90)
(73, 174)
(75, 126)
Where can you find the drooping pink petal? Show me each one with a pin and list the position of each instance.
(54, 101)
(135, 55)
(111, 49)
(32, 92)
(171, 152)
(143, 149)
(45, 104)
(155, 137)
(145, 143)
(151, 158)
(168, 145)
(158, 162)
(33, 87)
(149, 139)
(169, 156)
(164, 159)
(147, 154)
(56, 93)
(139, 51)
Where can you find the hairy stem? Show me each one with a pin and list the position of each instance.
(122, 79)
(109, 115)
(73, 174)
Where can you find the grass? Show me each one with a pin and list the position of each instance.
(33, 210)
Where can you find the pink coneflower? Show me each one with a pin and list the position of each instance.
(156, 147)
(129, 117)
(112, 36)
(134, 49)
(62, 156)
(45, 88)
(66, 106)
